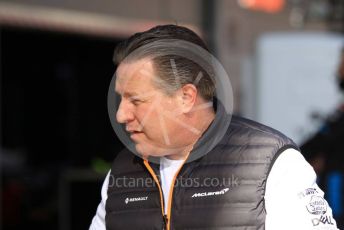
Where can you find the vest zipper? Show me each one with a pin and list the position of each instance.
(166, 218)
(170, 196)
(155, 178)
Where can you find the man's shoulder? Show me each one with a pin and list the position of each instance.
(123, 160)
(253, 126)
(253, 132)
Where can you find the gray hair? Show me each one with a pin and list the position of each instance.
(173, 68)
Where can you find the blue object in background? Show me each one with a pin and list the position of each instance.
(334, 192)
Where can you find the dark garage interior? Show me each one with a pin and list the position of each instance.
(54, 119)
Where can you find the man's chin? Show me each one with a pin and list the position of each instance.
(146, 151)
(142, 151)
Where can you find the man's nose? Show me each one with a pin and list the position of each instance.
(124, 113)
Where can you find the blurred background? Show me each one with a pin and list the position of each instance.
(284, 58)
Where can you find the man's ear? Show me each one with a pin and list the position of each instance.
(188, 97)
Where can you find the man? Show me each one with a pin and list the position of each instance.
(185, 175)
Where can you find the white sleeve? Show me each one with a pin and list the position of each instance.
(293, 200)
(98, 221)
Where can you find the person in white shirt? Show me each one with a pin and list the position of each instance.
(284, 196)
(172, 125)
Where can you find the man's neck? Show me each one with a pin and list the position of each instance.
(204, 122)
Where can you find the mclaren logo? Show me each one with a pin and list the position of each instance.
(202, 194)
(134, 199)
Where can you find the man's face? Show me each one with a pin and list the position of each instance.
(147, 112)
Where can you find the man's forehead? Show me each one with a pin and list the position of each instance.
(135, 70)
(134, 77)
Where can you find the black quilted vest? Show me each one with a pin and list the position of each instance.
(222, 190)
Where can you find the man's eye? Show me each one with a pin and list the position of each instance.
(136, 101)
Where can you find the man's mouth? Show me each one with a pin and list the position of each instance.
(133, 134)
(133, 131)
